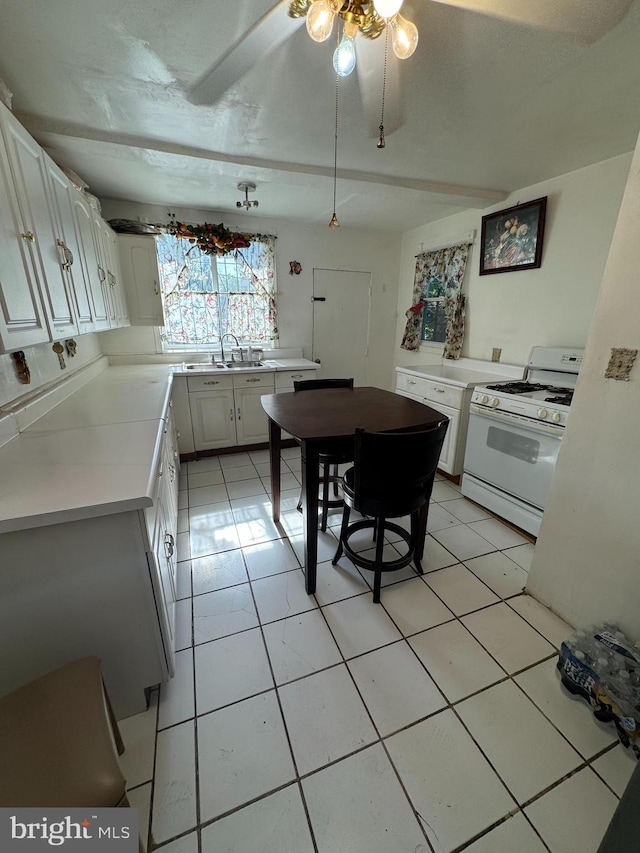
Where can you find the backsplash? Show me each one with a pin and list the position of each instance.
(44, 367)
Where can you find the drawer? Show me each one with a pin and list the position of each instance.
(253, 380)
(210, 382)
(438, 392)
(286, 378)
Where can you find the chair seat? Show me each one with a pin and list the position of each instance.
(383, 504)
(59, 742)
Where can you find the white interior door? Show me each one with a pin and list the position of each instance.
(341, 303)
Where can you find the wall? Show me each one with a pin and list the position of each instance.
(549, 306)
(314, 246)
(587, 559)
(44, 367)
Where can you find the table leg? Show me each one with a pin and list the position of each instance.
(275, 434)
(310, 483)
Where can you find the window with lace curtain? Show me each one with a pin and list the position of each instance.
(206, 296)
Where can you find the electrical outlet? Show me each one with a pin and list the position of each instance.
(496, 352)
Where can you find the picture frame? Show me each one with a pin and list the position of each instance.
(512, 239)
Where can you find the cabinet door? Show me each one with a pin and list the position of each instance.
(22, 317)
(72, 257)
(115, 279)
(37, 218)
(100, 242)
(252, 424)
(82, 214)
(447, 461)
(213, 419)
(141, 279)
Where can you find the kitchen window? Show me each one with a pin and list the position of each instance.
(434, 319)
(206, 296)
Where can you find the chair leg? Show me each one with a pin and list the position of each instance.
(377, 577)
(343, 533)
(326, 469)
(418, 535)
(335, 482)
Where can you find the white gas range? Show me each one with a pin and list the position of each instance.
(515, 429)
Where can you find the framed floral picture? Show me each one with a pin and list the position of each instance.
(512, 239)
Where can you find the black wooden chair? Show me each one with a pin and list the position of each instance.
(392, 477)
(334, 454)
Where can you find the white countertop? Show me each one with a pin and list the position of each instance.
(465, 377)
(97, 451)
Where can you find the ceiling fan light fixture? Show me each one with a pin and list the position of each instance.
(320, 20)
(404, 37)
(387, 8)
(247, 187)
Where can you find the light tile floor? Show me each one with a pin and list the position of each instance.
(432, 722)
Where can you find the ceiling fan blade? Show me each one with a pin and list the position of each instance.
(267, 34)
(370, 68)
(588, 20)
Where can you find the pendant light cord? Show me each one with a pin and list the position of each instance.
(335, 149)
(381, 140)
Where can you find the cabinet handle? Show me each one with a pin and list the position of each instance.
(411, 382)
(28, 235)
(296, 376)
(231, 414)
(156, 289)
(101, 274)
(161, 471)
(169, 544)
(177, 433)
(254, 379)
(239, 415)
(439, 390)
(211, 382)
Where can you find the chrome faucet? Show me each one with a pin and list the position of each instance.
(222, 337)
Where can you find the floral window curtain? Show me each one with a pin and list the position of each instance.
(443, 268)
(206, 296)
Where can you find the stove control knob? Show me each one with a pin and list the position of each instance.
(484, 398)
(557, 417)
(542, 413)
(495, 402)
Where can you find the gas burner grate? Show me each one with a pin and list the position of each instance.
(560, 399)
(517, 387)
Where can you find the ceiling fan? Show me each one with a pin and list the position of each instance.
(586, 20)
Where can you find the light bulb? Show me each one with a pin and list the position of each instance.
(334, 221)
(344, 56)
(320, 20)
(387, 8)
(404, 37)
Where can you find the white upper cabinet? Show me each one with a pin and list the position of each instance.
(38, 222)
(115, 277)
(22, 318)
(141, 279)
(83, 214)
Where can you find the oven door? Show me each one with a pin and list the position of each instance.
(512, 453)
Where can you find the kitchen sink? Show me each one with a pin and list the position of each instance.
(226, 365)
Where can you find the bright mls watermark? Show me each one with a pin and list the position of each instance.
(73, 830)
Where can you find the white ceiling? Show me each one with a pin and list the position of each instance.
(489, 107)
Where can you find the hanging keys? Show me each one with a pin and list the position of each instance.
(59, 350)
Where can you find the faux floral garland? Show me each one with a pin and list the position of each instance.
(211, 239)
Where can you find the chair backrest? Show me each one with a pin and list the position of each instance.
(316, 384)
(397, 463)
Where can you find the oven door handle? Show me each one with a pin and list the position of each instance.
(511, 418)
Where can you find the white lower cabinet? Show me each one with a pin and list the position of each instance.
(448, 399)
(226, 410)
(104, 586)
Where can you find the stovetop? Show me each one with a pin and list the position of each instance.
(535, 391)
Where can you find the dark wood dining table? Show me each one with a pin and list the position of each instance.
(317, 417)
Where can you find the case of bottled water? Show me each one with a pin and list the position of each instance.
(600, 664)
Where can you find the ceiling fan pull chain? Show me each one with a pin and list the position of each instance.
(381, 141)
(334, 219)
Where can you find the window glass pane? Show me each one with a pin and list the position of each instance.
(434, 322)
(433, 287)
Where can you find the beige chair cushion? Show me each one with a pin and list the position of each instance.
(59, 741)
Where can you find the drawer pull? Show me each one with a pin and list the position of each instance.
(169, 544)
(439, 390)
(411, 381)
(254, 379)
(296, 376)
(211, 382)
